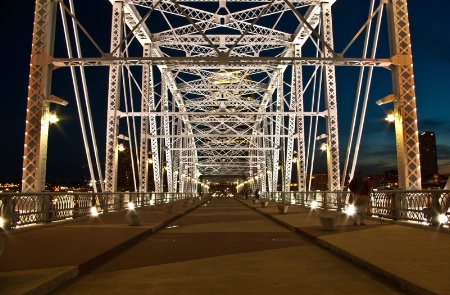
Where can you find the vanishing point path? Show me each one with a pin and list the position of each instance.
(224, 247)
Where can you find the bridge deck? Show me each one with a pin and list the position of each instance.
(224, 247)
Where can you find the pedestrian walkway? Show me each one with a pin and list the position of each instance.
(36, 261)
(412, 256)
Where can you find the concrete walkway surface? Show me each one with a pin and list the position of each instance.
(41, 259)
(411, 256)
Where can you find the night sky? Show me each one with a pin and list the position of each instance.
(430, 35)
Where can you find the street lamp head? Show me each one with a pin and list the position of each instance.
(386, 99)
(322, 136)
(57, 100)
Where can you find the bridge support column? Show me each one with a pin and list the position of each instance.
(406, 130)
(301, 162)
(112, 121)
(330, 102)
(147, 82)
(38, 105)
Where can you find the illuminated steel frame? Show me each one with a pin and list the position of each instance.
(214, 114)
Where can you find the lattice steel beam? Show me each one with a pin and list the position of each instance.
(112, 123)
(331, 103)
(406, 129)
(38, 106)
(147, 83)
(213, 62)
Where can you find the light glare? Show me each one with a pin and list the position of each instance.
(350, 210)
(94, 211)
(52, 118)
(390, 117)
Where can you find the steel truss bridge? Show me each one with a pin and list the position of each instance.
(225, 88)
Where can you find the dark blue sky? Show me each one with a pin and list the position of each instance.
(430, 35)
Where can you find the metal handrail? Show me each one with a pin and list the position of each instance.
(428, 206)
(18, 209)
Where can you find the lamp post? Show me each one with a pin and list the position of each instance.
(283, 185)
(32, 181)
(163, 168)
(408, 164)
(272, 172)
(324, 147)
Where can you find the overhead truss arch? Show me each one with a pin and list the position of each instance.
(219, 88)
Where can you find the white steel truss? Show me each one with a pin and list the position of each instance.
(230, 95)
(112, 122)
(406, 129)
(38, 105)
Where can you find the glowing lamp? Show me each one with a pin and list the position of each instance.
(52, 118)
(350, 210)
(94, 211)
(390, 117)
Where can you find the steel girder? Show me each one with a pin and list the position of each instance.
(166, 132)
(38, 105)
(144, 159)
(112, 122)
(406, 129)
(301, 150)
(334, 182)
(233, 63)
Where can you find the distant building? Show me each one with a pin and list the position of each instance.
(125, 180)
(428, 154)
(319, 181)
(435, 181)
(377, 181)
(390, 179)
